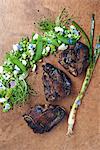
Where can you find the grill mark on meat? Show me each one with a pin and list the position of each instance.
(45, 120)
(75, 59)
(56, 83)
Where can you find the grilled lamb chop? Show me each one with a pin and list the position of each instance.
(56, 83)
(42, 119)
(75, 59)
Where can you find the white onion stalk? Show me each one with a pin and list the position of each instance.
(78, 100)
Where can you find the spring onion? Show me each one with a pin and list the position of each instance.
(78, 100)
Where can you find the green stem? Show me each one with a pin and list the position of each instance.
(58, 19)
(83, 33)
(91, 37)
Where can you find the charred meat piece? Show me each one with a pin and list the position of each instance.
(56, 83)
(75, 59)
(42, 119)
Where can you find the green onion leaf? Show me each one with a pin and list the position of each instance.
(91, 37)
(83, 33)
(54, 42)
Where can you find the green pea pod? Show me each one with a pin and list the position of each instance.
(17, 62)
(66, 40)
(39, 48)
(7, 68)
(54, 42)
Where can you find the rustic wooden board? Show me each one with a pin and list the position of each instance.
(17, 18)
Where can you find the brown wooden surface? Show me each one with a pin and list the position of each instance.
(17, 19)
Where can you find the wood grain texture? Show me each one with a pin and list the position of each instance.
(17, 18)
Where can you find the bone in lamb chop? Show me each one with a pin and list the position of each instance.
(42, 119)
(75, 58)
(56, 83)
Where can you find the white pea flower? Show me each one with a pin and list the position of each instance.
(69, 35)
(17, 68)
(24, 56)
(76, 32)
(30, 46)
(24, 62)
(34, 45)
(34, 67)
(35, 37)
(11, 51)
(43, 51)
(15, 72)
(47, 49)
(62, 47)
(59, 29)
(6, 76)
(16, 47)
(6, 107)
(56, 29)
(2, 100)
(31, 49)
(31, 52)
(7, 62)
(72, 27)
(1, 69)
